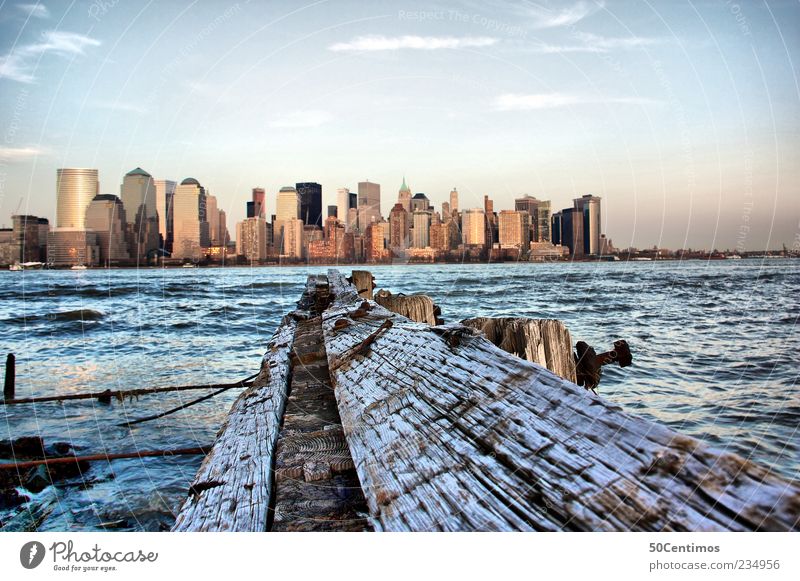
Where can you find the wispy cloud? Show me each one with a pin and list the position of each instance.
(119, 106)
(18, 64)
(35, 10)
(592, 43)
(311, 118)
(12, 154)
(550, 18)
(384, 43)
(529, 102)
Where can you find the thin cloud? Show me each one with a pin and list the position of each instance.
(385, 43)
(35, 10)
(18, 65)
(119, 106)
(12, 154)
(302, 119)
(593, 43)
(548, 18)
(531, 102)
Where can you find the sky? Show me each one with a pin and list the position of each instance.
(684, 116)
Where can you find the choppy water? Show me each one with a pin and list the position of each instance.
(716, 355)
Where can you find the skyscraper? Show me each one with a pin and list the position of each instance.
(369, 204)
(139, 198)
(422, 229)
(342, 206)
(310, 203)
(251, 239)
(259, 203)
(572, 234)
(589, 207)
(165, 190)
(191, 228)
(212, 211)
(75, 190)
(288, 208)
(473, 227)
(454, 200)
(106, 216)
(514, 229)
(404, 196)
(420, 203)
(398, 228)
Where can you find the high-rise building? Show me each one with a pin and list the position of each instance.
(332, 211)
(310, 203)
(342, 206)
(259, 203)
(288, 208)
(44, 232)
(251, 239)
(190, 220)
(420, 203)
(572, 233)
(473, 227)
(454, 200)
(589, 207)
(421, 236)
(71, 247)
(165, 190)
(139, 198)
(398, 228)
(376, 242)
(75, 190)
(25, 238)
(514, 229)
(212, 211)
(369, 204)
(542, 227)
(404, 196)
(445, 211)
(223, 228)
(555, 228)
(293, 241)
(106, 216)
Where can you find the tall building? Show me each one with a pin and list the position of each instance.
(71, 247)
(106, 216)
(251, 239)
(514, 229)
(421, 236)
(26, 238)
(369, 204)
(343, 206)
(420, 203)
(212, 211)
(404, 196)
(376, 242)
(223, 228)
(555, 227)
(288, 208)
(332, 211)
(543, 219)
(191, 230)
(138, 192)
(310, 203)
(293, 240)
(398, 228)
(44, 232)
(259, 203)
(165, 190)
(473, 227)
(454, 200)
(572, 233)
(75, 190)
(589, 207)
(445, 211)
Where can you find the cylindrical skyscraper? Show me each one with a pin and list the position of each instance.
(75, 190)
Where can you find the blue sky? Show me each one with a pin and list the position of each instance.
(683, 116)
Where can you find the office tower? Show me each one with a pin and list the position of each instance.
(333, 211)
(288, 208)
(375, 241)
(353, 197)
(71, 247)
(25, 238)
(251, 239)
(251, 209)
(488, 206)
(369, 204)
(420, 203)
(514, 229)
(555, 227)
(445, 211)
(454, 200)
(404, 196)
(342, 206)
(310, 203)
(293, 231)
(212, 211)
(445, 236)
(398, 228)
(259, 203)
(572, 233)
(139, 198)
(473, 227)
(190, 220)
(223, 228)
(106, 216)
(542, 226)
(165, 190)
(75, 190)
(44, 232)
(589, 207)
(422, 229)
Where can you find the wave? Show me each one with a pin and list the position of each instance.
(63, 316)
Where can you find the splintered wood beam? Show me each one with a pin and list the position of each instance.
(449, 432)
(232, 489)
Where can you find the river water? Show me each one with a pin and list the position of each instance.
(716, 355)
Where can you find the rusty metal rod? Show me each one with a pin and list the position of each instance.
(98, 457)
(108, 394)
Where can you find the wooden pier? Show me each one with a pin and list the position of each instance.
(362, 419)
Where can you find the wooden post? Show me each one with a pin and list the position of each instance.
(364, 282)
(8, 389)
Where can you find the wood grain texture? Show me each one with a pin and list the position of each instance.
(448, 432)
(419, 308)
(231, 491)
(543, 341)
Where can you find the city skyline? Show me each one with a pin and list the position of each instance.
(682, 118)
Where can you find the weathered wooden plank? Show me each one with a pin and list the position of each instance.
(231, 491)
(543, 341)
(419, 308)
(448, 432)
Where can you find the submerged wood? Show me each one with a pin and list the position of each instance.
(419, 308)
(231, 491)
(449, 432)
(543, 341)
